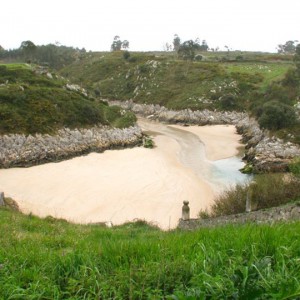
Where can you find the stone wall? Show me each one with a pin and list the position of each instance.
(21, 150)
(264, 153)
(283, 213)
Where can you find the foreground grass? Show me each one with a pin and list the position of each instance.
(52, 259)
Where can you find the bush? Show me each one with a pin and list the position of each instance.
(276, 115)
(279, 93)
(294, 166)
(232, 201)
(126, 55)
(127, 120)
(228, 102)
(198, 57)
(267, 191)
(148, 142)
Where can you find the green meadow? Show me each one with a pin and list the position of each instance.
(53, 259)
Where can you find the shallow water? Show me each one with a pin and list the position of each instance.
(226, 172)
(220, 174)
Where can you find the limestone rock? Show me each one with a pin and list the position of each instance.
(266, 154)
(19, 150)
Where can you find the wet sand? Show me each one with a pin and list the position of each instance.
(123, 185)
(221, 141)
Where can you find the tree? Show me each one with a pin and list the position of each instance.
(288, 48)
(125, 44)
(167, 47)
(187, 49)
(276, 115)
(28, 45)
(204, 47)
(28, 48)
(117, 44)
(176, 42)
(2, 51)
(297, 59)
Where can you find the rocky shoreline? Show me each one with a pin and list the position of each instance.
(24, 151)
(264, 153)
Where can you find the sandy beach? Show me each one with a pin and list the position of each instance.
(221, 141)
(123, 185)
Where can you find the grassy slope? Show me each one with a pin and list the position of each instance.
(32, 102)
(52, 259)
(163, 79)
(219, 82)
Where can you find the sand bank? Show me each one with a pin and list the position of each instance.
(123, 185)
(221, 141)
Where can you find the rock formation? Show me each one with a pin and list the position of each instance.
(263, 153)
(22, 150)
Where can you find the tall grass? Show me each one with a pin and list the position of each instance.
(266, 191)
(51, 259)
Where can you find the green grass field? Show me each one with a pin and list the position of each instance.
(52, 259)
(268, 71)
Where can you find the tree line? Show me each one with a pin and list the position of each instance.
(54, 55)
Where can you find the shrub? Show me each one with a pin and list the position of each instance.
(127, 120)
(276, 115)
(133, 59)
(126, 55)
(148, 142)
(198, 57)
(230, 202)
(144, 68)
(294, 166)
(275, 189)
(279, 93)
(268, 190)
(228, 102)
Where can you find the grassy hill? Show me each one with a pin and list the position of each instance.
(34, 100)
(241, 81)
(165, 80)
(53, 259)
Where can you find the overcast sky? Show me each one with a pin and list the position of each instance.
(148, 25)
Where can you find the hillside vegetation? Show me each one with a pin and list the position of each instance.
(34, 100)
(175, 83)
(53, 259)
(264, 85)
